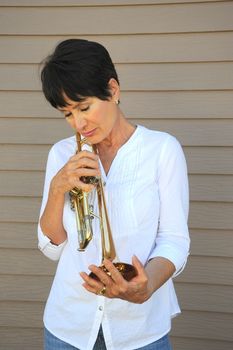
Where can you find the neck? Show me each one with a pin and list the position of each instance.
(119, 135)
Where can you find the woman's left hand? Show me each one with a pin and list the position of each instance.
(137, 290)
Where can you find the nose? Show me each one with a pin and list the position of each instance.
(79, 122)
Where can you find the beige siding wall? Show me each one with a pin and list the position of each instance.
(175, 62)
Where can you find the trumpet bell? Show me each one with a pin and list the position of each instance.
(126, 270)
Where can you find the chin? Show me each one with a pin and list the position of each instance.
(94, 140)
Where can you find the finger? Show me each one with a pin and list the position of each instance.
(95, 285)
(138, 265)
(141, 276)
(76, 162)
(86, 163)
(103, 277)
(92, 290)
(86, 172)
(82, 186)
(89, 288)
(85, 154)
(115, 274)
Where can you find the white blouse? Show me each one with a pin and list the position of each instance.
(146, 192)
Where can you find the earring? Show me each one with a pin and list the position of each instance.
(117, 102)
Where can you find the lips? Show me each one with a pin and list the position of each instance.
(88, 133)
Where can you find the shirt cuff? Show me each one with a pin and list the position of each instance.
(178, 259)
(52, 251)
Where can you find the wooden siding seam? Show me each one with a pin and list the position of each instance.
(66, 36)
(202, 201)
(134, 91)
(185, 309)
(194, 257)
(157, 3)
(197, 338)
(124, 63)
(117, 34)
(177, 282)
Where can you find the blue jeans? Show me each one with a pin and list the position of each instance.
(53, 343)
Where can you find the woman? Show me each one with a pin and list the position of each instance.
(145, 177)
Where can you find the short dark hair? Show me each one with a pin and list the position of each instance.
(77, 68)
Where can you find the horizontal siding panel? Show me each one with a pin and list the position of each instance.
(76, 3)
(209, 160)
(211, 242)
(186, 47)
(25, 262)
(24, 157)
(136, 104)
(163, 76)
(204, 325)
(34, 131)
(192, 323)
(21, 183)
(19, 209)
(204, 242)
(137, 77)
(195, 132)
(207, 215)
(189, 132)
(202, 187)
(28, 338)
(19, 77)
(211, 188)
(197, 17)
(187, 343)
(210, 270)
(17, 314)
(18, 235)
(25, 288)
(211, 215)
(205, 297)
(201, 160)
(196, 297)
(26, 104)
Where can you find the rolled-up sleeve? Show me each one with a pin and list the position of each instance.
(172, 240)
(49, 249)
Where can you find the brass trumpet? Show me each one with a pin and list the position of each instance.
(84, 216)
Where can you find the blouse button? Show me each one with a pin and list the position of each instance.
(101, 308)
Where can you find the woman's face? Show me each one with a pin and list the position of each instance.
(93, 118)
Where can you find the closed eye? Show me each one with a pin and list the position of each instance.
(84, 109)
(67, 115)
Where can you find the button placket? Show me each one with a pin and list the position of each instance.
(101, 304)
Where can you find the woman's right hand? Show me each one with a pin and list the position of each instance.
(84, 163)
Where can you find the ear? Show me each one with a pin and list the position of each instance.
(115, 89)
